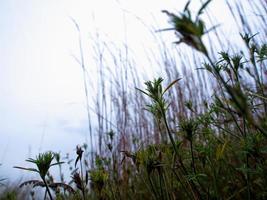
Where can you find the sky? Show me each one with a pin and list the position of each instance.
(42, 104)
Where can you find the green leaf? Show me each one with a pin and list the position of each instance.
(170, 85)
(31, 160)
(142, 91)
(220, 150)
(187, 5)
(30, 182)
(77, 159)
(203, 7)
(27, 169)
(58, 163)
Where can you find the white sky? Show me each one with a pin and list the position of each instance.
(41, 88)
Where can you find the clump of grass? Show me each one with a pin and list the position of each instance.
(43, 163)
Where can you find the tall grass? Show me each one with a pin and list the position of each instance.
(200, 137)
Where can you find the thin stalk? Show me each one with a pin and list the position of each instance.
(155, 196)
(194, 167)
(192, 156)
(185, 188)
(258, 81)
(161, 187)
(83, 188)
(166, 186)
(247, 163)
(171, 138)
(176, 151)
(152, 187)
(45, 195)
(248, 178)
(82, 63)
(214, 177)
(47, 189)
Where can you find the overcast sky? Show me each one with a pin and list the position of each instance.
(41, 88)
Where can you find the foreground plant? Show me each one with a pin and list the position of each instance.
(159, 104)
(187, 29)
(43, 163)
(158, 108)
(243, 104)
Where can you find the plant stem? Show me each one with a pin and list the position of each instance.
(247, 162)
(47, 189)
(182, 184)
(192, 156)
(83, 188)
(152, 187)
(176, 151)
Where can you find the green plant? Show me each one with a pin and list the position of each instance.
(43, 163)
(233, 100)
(187, 29)
(159, 105)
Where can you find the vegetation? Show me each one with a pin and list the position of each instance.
(202, 137)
